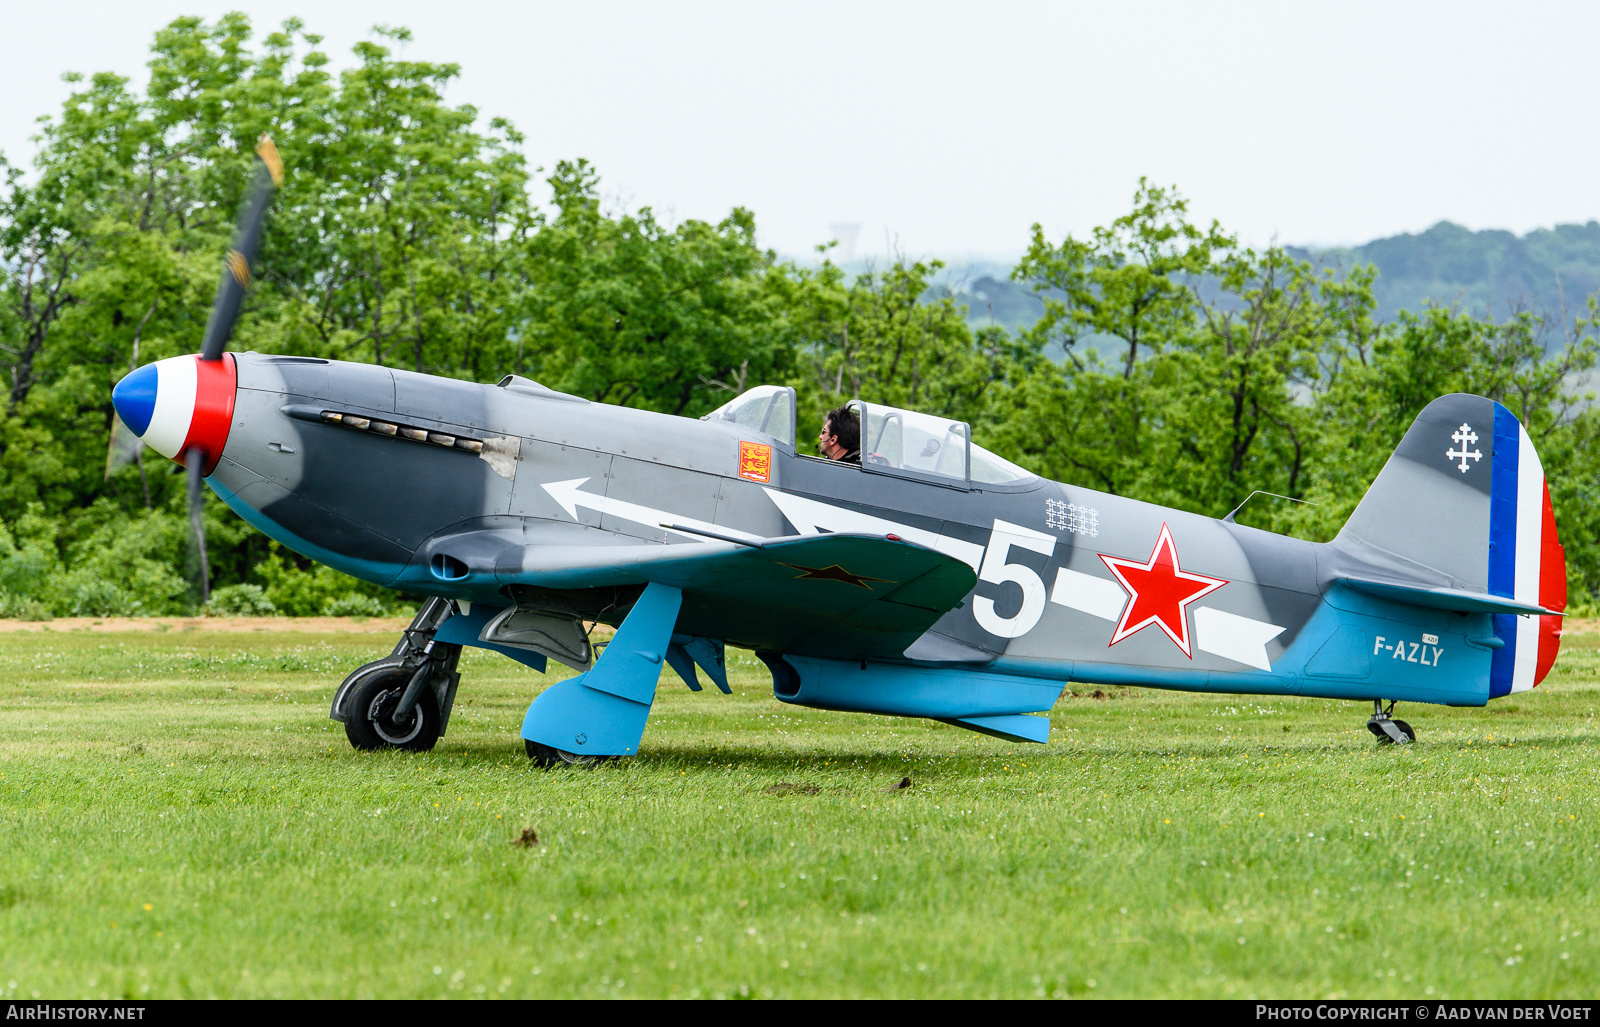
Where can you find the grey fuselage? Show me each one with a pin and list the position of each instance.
(498, 484)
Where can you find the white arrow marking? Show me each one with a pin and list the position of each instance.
(1098, 597)
(1232, 637)
(571, 496)
(566, 493)
(810, 517)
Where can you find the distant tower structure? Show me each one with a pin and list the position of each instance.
(845, 235)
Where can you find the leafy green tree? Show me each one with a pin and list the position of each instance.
(626, 310)
(1216, 354)
(1228, 412)
(882, 339)
(1133, 282)
(402, 234)
(1112, 304)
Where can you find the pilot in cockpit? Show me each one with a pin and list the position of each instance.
(840, 438)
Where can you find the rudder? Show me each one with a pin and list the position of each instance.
(1526, 559)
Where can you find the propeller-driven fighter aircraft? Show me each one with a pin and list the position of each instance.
(934, 579)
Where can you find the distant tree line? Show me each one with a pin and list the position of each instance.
(1490, 271)
(1171, 364)
(1551, 271)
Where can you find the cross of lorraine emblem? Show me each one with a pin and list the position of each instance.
(1463, 437)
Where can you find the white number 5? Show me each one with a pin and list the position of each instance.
(996, 569)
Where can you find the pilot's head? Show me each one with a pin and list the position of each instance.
(841, 434)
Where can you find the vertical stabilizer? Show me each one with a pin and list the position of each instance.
(1462, 504)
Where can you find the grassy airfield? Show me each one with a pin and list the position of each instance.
(180, 819)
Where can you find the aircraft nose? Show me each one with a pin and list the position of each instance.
(135, 398)
(179, 404)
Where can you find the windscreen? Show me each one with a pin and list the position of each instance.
(768, 409)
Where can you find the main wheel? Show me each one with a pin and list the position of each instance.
(371, 725)
(547, 757)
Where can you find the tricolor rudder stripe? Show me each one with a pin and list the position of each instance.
(1526, 561)
(179, 404)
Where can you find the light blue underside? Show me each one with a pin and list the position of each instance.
(1339, 654)
(686, 652)
(602, 712)
(992, 703)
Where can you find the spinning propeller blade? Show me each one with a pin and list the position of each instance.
(199, 569)
(124, 447)
(224, 312)
(246, 243)
(182, 406)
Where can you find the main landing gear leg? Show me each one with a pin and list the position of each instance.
(403, 700)
(1389, 730)
(602, 712)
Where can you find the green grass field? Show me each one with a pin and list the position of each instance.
(181, 819)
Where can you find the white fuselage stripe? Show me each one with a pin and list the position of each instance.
(1232, 637)
(1086, 593)
(570, 495)
(810, 517)
(176, 382)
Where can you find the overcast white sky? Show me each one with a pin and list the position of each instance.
(952, 127)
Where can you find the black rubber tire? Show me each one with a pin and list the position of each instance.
(545, 757)
(1383, 737)
(367, 722)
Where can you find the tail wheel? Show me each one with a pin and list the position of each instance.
(1388, 730)
(1377, 727)
(370, 723)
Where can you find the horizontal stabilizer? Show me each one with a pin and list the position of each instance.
(1457, 600)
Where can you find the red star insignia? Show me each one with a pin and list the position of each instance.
(1158, 592)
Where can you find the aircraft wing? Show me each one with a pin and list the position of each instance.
(839, 596)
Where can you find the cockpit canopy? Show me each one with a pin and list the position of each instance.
(893, 441)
